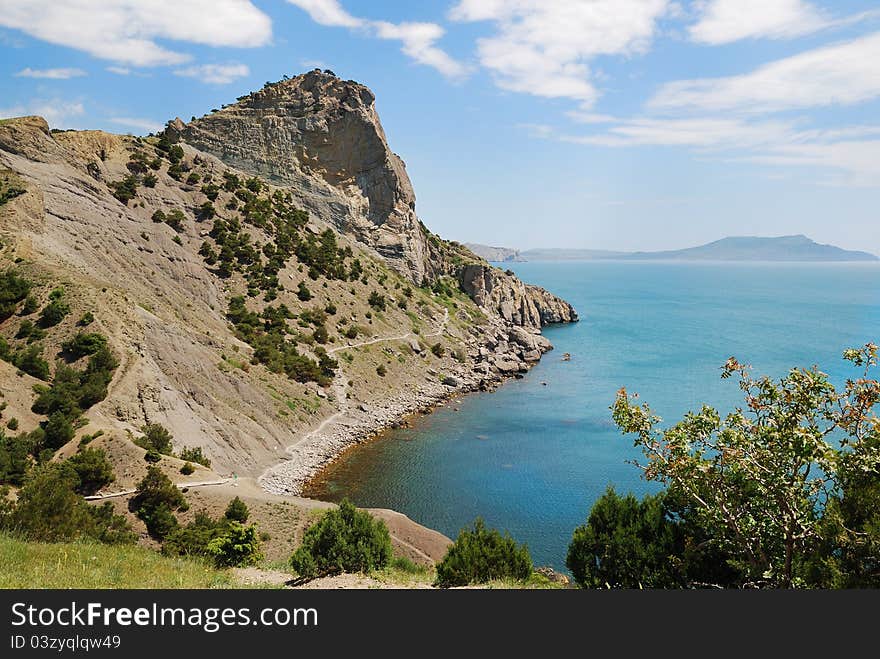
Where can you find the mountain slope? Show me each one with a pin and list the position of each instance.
(245, 312)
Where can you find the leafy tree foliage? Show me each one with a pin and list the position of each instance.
(343, 540)
(84, 343)
(13, 289)
(480, 555)
(156, 438)
(49, 510)
(237, 511)
(195, 454)
(769, 482)
(155, 502)
(53, 313)
(92, 469)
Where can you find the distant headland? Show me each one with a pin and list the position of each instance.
(733, 248)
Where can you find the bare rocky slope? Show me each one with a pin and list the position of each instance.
(263, 279)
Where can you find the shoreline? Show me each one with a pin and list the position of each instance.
(349, 428)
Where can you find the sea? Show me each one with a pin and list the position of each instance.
(532, 457)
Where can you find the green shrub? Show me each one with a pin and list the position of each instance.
(49, 510)
(175, 219)
(156, 500)
(92, 469)
(344, 540)
(30, 306)
(159, 216)
(187, 468)
(626, 543)
(303, 292)
(53, 313)
(211, 191)
(226, 542)
(126, 189)
(235, 546)
(480, 555)
(156, 438)
(87, 319)
(12, 424)
(84, 343)
(13, 289)
(237, 511)
(150, 180)
(58, 431)
(377, 301)
(195, 454)
(381, 371)
(25, 329)
(15, 458)
(30, 361)
(438, 350)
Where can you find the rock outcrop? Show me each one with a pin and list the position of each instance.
(517, 303)
(321, 137)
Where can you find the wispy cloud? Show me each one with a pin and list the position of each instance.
(146, 125)
(418, 40)
(726, 21)
(545, 47)
(215, 74)
(841, 74)
(119, 70)
(50, 74)
(125, 31)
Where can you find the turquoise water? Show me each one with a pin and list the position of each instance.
(532, 458)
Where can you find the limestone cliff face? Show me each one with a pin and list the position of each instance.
(321, 137)
(517, 303)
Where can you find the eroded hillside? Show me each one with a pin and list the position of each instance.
(286, 295)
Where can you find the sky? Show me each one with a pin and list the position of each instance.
(604, 124)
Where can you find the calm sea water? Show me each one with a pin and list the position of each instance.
(533, 456)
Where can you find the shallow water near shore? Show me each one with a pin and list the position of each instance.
(533, 456)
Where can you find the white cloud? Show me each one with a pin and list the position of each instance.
(840, 74)
(418, 39)
(590, 117)
(724, 21)
(544, 47)
(146, 125)
(119, 70)
(328, 12)
(50, 74)
(215, 74)
(701, 133)
(851, 154)
(57, 112)
(126, 31)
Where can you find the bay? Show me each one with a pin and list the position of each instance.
(532, 457)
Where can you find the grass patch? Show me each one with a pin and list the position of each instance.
(84, 565)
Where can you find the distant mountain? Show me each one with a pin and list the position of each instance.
(494, 254)
(752, 248)
(736, 248)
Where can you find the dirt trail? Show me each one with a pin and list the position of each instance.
(188, 486)
(339, 387)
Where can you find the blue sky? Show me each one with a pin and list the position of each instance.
(618, 124)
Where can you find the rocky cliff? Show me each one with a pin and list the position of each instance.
(517, 303)
(321, 137)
